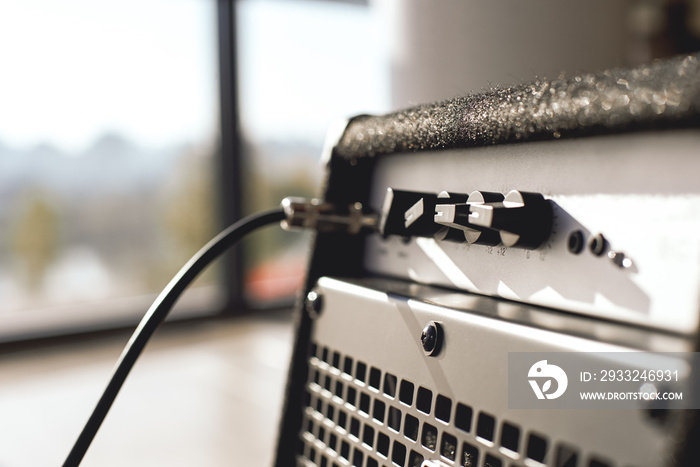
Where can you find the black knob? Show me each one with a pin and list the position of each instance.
(480, 234)
(404, 212)
(523, 219)
(456, 216)
(410, 213)
(449, 232)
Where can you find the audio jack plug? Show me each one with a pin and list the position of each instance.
(325, 217)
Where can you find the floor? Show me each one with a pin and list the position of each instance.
(203, 393)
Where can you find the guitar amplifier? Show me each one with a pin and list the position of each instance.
(553, 218)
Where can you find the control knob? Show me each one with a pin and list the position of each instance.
(410, 213)
(523, 219)
(456, 216)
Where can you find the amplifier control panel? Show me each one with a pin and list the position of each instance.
(604, 226)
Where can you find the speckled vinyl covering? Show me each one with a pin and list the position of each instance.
(661, 94)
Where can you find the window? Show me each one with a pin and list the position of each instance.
(109, 141)
(302, 65)
(108, 137)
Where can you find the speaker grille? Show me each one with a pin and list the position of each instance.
(358, 414)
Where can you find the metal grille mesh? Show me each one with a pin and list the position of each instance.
(357, 414)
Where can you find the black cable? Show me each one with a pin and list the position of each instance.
(155, 316)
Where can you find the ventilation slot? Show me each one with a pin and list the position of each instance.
(358, 414)
(536, 448)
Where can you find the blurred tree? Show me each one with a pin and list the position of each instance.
(191, 216)
(36, 240)
(265, 190)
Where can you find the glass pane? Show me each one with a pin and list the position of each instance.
(302, 65)
(108, 131)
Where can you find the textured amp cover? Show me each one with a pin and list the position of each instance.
(661, 94)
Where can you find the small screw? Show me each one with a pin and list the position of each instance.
(598, 245)
(431, 338)
(314, 304)
(576, 242)
(620, 260)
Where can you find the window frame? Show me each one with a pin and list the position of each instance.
(230, 190)
(227, 297)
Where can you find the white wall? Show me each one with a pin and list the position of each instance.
(445, 48)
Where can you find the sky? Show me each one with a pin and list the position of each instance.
(73, 70)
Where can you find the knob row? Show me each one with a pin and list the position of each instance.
(518, 219)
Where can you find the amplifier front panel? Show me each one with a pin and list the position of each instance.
(640, 191)
(373, 397)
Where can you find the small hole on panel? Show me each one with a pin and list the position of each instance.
(390, 385)
(424, 401)
(361, 371)
(378, 411)
(312, 454)
(598, 245)
(398, 454)
(357, 458)
(372, 462)
(536, 448)
(306, 448)
(316, 376)
(492, 461)
(342, 419)
(566, 457)
(319, 405)
(339, 389)
(351, 397)
(470, 455)
(321, 434)
(510, 437)
(443, 408)
(429, 437)
(394, 420)
(327, 383)
(324, 461)
(336, 360)
(463, 417)
(448, 446)
(332, 442)
(347, 366)
(324, 354)
(313, 349)
(383, 445)
(309, 426)
(355, 427)
(576, 242)
(415, 459)
(345, 450)
(410, 427)
(406, 392)
(368, 436)
(485, 426)
(330, 412)
(375, 378)
(307, 399)
(364, 403)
